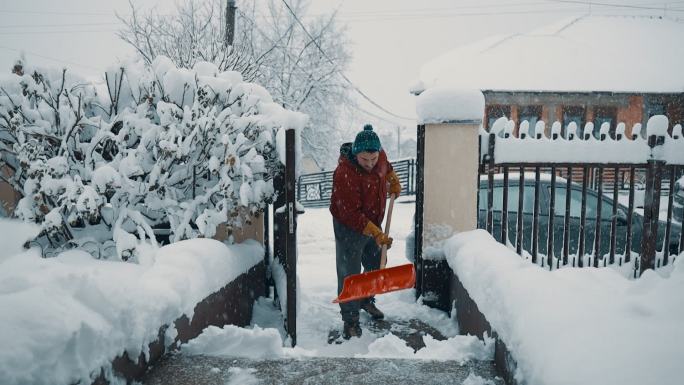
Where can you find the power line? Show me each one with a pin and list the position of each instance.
(364, 111)
(592, 3)
(454, 15)
(479, 10)
(339, 72)
(56, 25)
(419, 11)
(57, 13)
(109, 14)
(286, 52)
(51, 32)
(50, 58)
(431, 10)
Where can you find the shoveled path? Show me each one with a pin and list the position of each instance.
(180, 369)
(316, 269)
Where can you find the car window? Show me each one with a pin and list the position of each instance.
(576, 204)
(528, 199)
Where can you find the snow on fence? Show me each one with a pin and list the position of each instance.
(577, 193)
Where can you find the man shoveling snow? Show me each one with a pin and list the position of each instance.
(357, 204)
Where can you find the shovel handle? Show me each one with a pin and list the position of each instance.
(383, 255)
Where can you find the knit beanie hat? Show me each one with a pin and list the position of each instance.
(366, 140)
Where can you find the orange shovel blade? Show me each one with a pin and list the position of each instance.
(374, 282)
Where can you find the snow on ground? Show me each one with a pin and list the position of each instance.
(576, 326)
(72, 314)
(63, 318)
(317, 315)
(13, 235)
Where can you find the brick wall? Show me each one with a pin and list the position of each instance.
(632, 114)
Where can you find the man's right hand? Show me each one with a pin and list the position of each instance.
(383, 239)
(374, 231)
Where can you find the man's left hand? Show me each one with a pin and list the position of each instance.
(395, 185)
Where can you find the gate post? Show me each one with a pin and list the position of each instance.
(291, 237)
(285, 237)
(654, 172)
(447, 170)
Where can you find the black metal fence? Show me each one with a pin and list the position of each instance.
(583, 214)
(314, 190)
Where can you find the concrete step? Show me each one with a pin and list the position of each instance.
(179, 369)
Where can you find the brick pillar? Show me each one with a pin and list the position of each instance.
(514, 117)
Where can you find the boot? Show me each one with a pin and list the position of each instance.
(351, 329)
(369, 307)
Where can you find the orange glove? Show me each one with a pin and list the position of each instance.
(395, 185)
(374, 231)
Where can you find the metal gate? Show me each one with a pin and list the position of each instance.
(283, 270)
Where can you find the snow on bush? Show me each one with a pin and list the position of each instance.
(100, 166)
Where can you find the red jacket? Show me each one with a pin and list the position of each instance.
(359, 196)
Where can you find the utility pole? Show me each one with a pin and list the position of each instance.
(230, 23)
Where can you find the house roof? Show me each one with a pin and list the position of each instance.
(581, 54)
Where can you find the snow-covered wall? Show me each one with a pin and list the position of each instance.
(64, 318)
(575, 326)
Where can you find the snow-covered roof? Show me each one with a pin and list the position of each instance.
(588, 53)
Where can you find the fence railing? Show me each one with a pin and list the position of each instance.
(571, 201)
(314, 190)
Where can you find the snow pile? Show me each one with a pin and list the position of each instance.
(154, 146)
(14, 234)
(474, 379)
(449, 104)
(457, 348)
(241, 376)
(260, 343)
(64, 318)
(555, 322)
(673, 148)
(255, 343)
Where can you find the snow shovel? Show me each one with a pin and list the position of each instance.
(380, 281)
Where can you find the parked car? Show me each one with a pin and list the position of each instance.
(559, 217)
(678, 206)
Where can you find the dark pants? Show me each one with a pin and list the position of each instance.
(352, 251)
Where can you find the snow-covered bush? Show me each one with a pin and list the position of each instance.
(101, 165)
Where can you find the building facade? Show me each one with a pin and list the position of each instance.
(583, 107)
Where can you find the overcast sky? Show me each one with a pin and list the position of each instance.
(391, 38)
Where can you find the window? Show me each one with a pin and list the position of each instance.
(528, 199)
(573, 114)
(655, 109)
(530, 113)
(496, 111)
(576, 204)
(605, 115)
